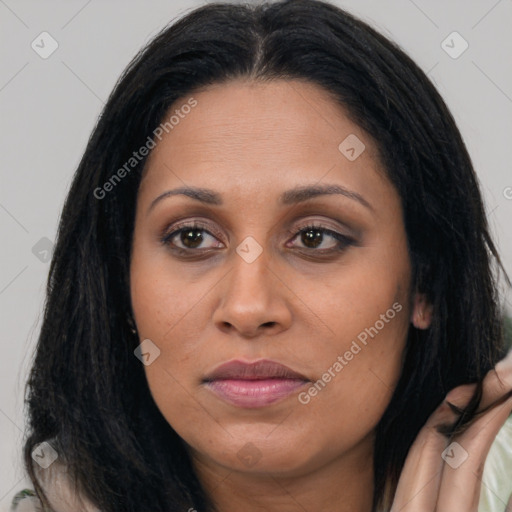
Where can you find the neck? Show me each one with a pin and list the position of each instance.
(344, 484)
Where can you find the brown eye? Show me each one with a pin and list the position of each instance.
(191, 237)
(322, 239)
(312, 238)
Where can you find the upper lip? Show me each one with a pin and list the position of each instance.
(262, 369)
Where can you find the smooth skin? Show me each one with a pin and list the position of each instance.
(302, 302)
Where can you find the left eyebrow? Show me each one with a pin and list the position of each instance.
(300, 194)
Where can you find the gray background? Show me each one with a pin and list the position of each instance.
(49, 107)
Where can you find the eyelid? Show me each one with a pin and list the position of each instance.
(170, 231)
(300, 225)
(342, 240)
(336, 234)
(322, 224)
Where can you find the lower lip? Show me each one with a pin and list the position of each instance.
(254, 393)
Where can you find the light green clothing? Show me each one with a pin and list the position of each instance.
(497, 478)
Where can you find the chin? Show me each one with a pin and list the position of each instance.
(260, 454)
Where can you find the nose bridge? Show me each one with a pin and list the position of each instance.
(250, 275)
(250, 295)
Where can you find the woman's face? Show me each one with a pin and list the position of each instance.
(253, 282)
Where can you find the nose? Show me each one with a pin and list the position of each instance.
(254, 300)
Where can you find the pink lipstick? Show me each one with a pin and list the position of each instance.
(254, 384)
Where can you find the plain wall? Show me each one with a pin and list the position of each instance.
(49, 107)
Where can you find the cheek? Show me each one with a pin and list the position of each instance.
(173, 321)
(169, 317)
(163, 312)
(359, 363)
(164, 303)
(357, 377)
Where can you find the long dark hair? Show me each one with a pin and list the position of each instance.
(88, 393)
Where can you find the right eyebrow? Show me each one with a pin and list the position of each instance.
(204, 195)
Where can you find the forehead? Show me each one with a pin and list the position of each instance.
(270, 113)
(253, 133)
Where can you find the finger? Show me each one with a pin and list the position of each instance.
(465, 457)
(419, 482)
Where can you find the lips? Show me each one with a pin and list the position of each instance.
(264, 369)
(256, 384)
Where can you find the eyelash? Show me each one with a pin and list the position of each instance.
(343, 240)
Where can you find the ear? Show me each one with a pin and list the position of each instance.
(421, 314)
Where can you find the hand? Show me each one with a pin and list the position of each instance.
(428, 483)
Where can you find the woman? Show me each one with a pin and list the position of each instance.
(273, 285)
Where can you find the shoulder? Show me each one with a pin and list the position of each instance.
(26, 501)
(58, 489)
